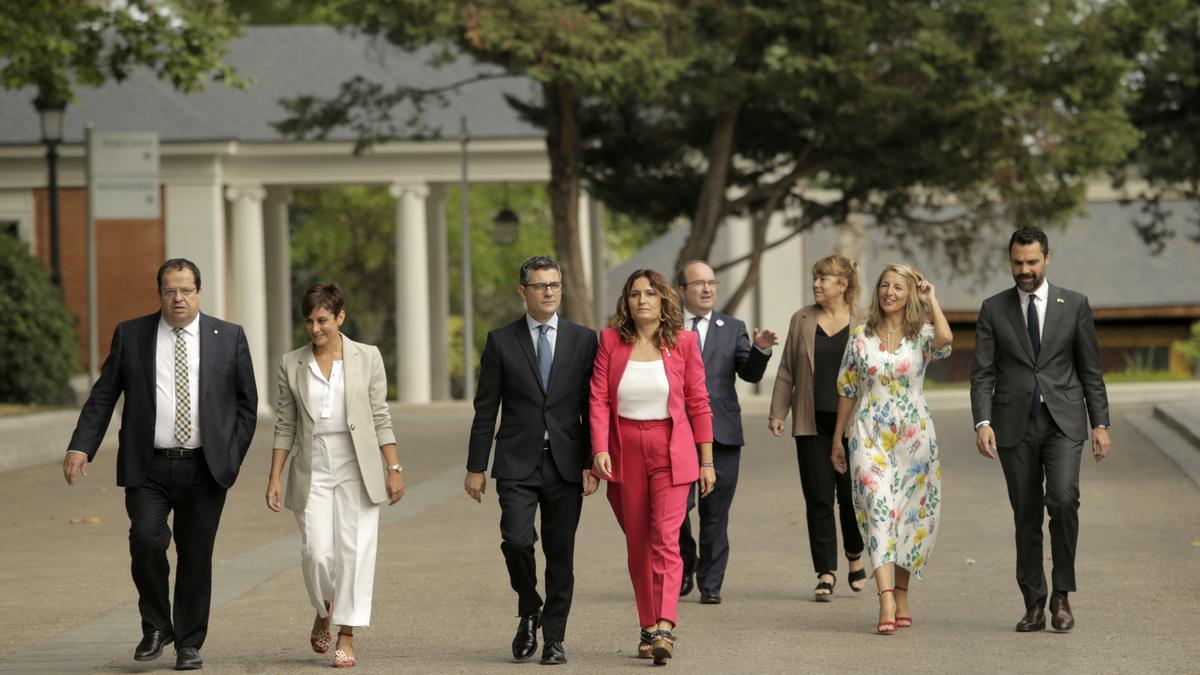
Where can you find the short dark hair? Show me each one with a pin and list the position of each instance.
(178, 264)
(1028, 235)
(681, 275)
(538, 262)
(321, 295)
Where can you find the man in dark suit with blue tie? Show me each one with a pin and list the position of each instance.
(190, 410)
(538, 369)
(1036, 387)
(728, 353)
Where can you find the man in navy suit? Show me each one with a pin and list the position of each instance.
(536, 372)
(190, 410)
(727, 351)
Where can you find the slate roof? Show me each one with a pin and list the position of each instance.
(286, 61)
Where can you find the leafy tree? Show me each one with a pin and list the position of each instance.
(37, 340)
(574, 49)
(1165, 107)
(56, 46)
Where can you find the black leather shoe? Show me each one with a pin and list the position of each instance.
(152, 644)
(188, 658)
(1061, 617)
(1034, 620)
(689, 582)
(710, 596)
(525, 641)
(553, 653)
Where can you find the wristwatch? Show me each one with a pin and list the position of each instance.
(1102, 426)
(395, 467)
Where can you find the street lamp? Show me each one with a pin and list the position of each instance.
(504, 227)
(50, 115)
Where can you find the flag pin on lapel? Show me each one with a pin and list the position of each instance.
(720, 322)
(1061, 301)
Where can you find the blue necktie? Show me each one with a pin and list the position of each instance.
(545, 356)
(1035, 339)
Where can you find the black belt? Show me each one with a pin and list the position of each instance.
(177, 453)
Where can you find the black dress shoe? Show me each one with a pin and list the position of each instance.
(525, 643)
(152, 644)
(188, 658)
(1034, 620)
(1060, 612)
(553, 653)
(689, 582)
(710, 596)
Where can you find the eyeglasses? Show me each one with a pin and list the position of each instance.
(711, 283)
(172, 292)
(552, 287)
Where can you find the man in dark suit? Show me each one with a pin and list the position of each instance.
(1035, 384)
(539, 369)
(727, 352)
(190, 411)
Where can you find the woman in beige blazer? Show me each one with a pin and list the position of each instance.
(332, 420)
(806, 384)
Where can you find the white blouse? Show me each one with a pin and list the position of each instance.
(643, 392)
(328, 398)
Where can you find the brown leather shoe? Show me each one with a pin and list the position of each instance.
(1034, 620)
(1060, 612)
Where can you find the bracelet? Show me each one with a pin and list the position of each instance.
(704, 465)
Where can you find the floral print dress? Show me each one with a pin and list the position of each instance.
(893, 455)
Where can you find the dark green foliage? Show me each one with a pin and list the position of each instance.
(37, 340)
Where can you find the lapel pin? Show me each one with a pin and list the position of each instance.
(1061, 301)
(215, 331)
(720, 322)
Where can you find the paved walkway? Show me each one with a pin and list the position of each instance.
(442, 602)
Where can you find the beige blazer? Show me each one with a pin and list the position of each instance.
(794, 380)
(366, 414)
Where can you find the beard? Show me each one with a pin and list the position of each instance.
(1029, 283)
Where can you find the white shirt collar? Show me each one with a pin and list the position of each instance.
(688, 316)
(533, 324)
(192, 328)
(1042, 293)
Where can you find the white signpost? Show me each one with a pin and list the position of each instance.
(122, 184)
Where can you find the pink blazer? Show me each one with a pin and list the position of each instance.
(688, 399)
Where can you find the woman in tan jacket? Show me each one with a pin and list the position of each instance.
(332, 420)
(806, 384)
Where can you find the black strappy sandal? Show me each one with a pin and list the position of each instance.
(859, 574)
(646, 645)
(824, 586)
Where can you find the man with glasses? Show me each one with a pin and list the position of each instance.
(539, 369)
(728, 354)
(190, 412)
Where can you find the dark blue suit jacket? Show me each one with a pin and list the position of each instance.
(727, 354)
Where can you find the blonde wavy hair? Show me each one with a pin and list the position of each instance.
(914, 312)
(840, 266)
(670, 320)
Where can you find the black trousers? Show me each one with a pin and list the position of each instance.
(1044, 457)
(714, 522)
(820, 482)
(186, 487)
(561, 503)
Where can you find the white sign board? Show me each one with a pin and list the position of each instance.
(123, 175)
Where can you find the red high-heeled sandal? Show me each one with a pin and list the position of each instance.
(903, 621)
(886, 627)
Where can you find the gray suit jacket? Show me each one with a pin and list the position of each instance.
(1067, 368)
(367, 416)
(728, 354)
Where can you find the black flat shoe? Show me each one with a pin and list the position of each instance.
(525, 642)
(553, 653)
(826, 586)
(710, 596)
(188, 658)
(1033, 621)
(152, 644)
(689, 582)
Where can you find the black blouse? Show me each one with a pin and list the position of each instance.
(827, 360)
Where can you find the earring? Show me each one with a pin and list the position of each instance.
(662, 318)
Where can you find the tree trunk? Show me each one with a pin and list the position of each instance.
(711, 204)
(563, 146)
(759, 222)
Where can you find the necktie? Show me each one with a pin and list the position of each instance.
(545, 356)
(1035, 339)
(696, 330)
(183, 397)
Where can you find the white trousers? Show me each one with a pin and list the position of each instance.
(338, 532)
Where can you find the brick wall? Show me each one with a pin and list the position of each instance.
(128, 253)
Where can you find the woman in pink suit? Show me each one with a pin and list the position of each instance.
(649, 411)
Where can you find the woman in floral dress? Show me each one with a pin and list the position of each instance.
(893, 454)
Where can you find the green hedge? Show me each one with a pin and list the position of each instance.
(37, 340)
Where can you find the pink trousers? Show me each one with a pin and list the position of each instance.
(650, 511)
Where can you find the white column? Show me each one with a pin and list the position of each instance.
(248, 301)
(439, 294)
(279, 283)
(412, 294)
(194, 228)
